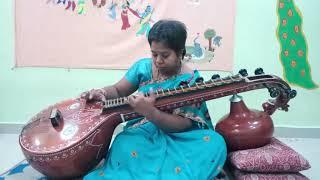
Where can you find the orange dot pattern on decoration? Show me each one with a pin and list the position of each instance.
(284, 22)
(293, 63)
(284, 35)
(293, 45)
(300, 53)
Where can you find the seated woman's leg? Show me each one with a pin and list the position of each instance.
(148, 153)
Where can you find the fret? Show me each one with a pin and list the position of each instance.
(182, 88)
(189, 87)
(218, 83)
(222, 80)
(200, 85)
(157, 92)
(197, 85)
(236, 78)
(227, 80)
(175, 90)
(169, 92)
(233, 80)
(239, 78)
(205, 84)
(162, 91)
(209, 83)
(213, 82)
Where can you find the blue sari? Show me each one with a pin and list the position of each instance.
(143, 151)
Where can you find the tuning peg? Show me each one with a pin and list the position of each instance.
(183, 83)
(274, 92)
(199, 80)
(258, 71)
(215, 76)
(243, 72)
(292, 93)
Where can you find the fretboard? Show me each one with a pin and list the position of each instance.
(168, 99)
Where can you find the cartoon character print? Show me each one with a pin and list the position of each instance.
(145, 21)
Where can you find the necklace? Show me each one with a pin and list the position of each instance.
(159, 77)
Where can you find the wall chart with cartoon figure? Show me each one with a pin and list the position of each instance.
(112, 34)
(293, 44)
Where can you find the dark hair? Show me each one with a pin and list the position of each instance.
(170, 32)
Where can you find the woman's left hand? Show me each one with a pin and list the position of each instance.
(143, 104)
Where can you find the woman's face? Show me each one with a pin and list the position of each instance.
(164, 58)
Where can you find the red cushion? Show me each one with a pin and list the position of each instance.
(274, 157)
(239, 175)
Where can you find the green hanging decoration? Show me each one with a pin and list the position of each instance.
(294, 49)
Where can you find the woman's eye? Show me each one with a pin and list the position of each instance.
(165, 56)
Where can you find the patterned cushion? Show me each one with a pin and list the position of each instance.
(239, 175)
(274, 157)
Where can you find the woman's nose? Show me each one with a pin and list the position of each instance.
(159, 60)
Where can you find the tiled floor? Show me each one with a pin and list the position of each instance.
(10, 152)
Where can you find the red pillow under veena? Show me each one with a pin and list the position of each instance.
(273, 157)
(239, 175)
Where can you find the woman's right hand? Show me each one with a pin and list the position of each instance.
(94, 95)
